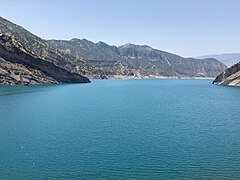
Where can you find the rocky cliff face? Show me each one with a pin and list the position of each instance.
(230, 77)
(20, 66)
(14, 73)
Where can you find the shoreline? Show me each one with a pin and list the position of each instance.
(120, 77)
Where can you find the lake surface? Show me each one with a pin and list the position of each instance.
(120, 129)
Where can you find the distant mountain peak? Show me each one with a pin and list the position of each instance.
(128, 45)
(102, 44)
(78, 40)
(75, 39)
(227, 58)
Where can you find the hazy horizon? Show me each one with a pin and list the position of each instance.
(184, 28)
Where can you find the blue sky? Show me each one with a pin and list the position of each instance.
(183, 27)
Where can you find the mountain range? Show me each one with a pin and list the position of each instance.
(65, 61)
(228, 59)
(136, 60)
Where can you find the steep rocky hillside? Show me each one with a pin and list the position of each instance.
(19, 66)
(230, 77)
(40, 47)
(104, 59)
(14, 73)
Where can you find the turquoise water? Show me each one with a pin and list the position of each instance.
(120, 129)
